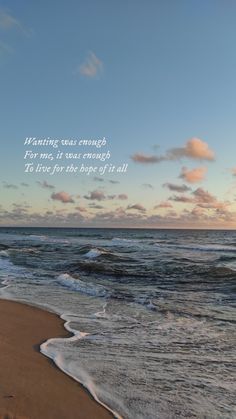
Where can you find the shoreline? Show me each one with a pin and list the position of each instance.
(31, 384)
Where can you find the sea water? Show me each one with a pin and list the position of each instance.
(153, 313)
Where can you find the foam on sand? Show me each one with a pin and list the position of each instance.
(82, 377)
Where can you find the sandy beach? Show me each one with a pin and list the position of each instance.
(31, 386)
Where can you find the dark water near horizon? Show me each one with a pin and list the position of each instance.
(153, 312)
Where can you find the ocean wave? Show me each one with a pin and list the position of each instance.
(198, 248)
(75, 284)
(93, 253)
(3, 246)
(6, 266)
(10, 272)
(227, 258)
(109, 256)
(102, 268)
(221, 272)
(4, 253)
(27, 250)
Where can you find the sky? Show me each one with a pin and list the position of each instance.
(155, 78)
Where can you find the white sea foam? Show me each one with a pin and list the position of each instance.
(93, 253)
(102, 314)
(75, 284)
(37, 237)
(4, 253)
(47, 348)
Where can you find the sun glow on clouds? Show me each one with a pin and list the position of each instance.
(184, 208)
(91, 88)
(63, 197)
(195, 148)
(194, 175)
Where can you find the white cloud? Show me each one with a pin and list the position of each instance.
(91, 67)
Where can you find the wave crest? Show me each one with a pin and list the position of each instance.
(76, 284)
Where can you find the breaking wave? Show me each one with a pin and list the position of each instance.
(75, 284)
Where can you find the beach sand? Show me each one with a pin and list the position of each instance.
(31, 386)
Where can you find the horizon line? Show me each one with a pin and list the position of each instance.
(125, 228)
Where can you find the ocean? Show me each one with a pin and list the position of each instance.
(153, 313)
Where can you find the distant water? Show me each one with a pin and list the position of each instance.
(153, 312)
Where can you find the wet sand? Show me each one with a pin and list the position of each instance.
(31, 386)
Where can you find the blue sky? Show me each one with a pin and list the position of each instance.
(150, 76)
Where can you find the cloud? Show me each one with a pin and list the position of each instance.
(81, 209)
(176, 188)
(182, 198)
(10, 23)
(96, 196)
(122, 196)
(194, 175)
(23, 205)
(23, 216)
(206, 200)
(195, 148)
(9, 185)
(137, 207)
(114, 182)
(99, 195)
(198, 212)
(203, 196)
(118, 217)
(91, 67)
(146, 159)
(62, 197)
(95, 206)
(7, 21)
(219, 216)
(164, 204)
(24, 184)
(203, 199)
(45, 185)
(148, 186)
(172, 214)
